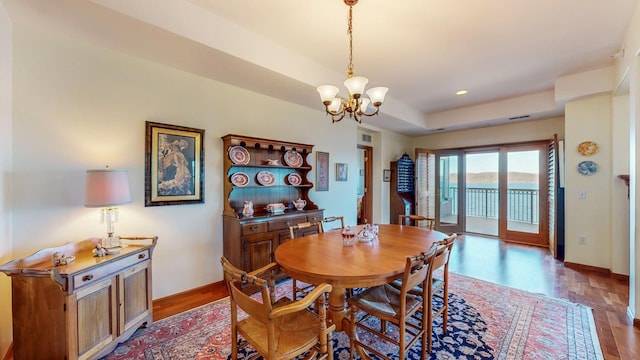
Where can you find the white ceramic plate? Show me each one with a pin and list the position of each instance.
(265, 178)
(240, 179)
(239, 155)
(293, 158)
(294, 179)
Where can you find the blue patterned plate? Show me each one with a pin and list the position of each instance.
(587, 168)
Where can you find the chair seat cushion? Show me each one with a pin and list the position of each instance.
(292, 332)
(384, 302)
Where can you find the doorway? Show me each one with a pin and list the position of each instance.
(365, 181)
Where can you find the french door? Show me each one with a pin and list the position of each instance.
(450, 205)
(523, 194)
(498, 191)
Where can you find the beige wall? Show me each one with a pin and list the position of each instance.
(627, 77)
(85, 107)
(589, 119)
(512, 133)
(5, 175)
(619, 191)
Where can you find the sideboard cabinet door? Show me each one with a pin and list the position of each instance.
(135, 297)
(96, 311)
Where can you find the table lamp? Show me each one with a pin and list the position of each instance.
(106, 189)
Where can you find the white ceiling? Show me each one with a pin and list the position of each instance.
(504, 52)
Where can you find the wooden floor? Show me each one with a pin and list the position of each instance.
(522, 267)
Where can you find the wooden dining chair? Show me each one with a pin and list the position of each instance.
(440, 285)
(305, 228)
(414, 219)
(395, 306)
(331, 219)
(296, 231)
(277, 329)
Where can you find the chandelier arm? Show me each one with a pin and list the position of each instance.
(335, 118)
(372, 114)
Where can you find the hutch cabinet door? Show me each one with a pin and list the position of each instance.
(96, 312)
(135, 296)
(258, 251)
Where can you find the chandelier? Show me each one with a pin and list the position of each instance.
(356, 105)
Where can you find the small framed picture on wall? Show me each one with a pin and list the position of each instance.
(322, 171)
(341, 172)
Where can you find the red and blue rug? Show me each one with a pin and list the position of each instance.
(486, 321)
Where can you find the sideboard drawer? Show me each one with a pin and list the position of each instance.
(281, 224)
(254, 228)
(92, 276)
(314, 217)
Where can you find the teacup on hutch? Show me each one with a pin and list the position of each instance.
(299, 204)
(276, 207)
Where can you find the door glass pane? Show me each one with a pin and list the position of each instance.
(523, 191)
(482, 193)
(448, 189)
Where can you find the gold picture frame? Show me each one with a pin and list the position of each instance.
(174, 165)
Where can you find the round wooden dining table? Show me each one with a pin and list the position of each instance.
(322, 258)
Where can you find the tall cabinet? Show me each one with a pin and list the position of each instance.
(263, 172)
(81, 310)
(402, 197)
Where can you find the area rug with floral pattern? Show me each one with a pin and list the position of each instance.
(486, 321)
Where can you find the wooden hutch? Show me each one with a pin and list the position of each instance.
(249, 242)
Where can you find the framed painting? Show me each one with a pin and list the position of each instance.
(174, 165)
(341, 172)
(322, 171)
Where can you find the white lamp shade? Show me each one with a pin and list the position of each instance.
(327, 92)
(335, 105)
(106, 188)
(356, 85)
(364, 103)
(377, 95)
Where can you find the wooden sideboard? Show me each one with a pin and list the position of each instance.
(81, 310)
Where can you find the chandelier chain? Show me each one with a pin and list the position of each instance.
(350, 33)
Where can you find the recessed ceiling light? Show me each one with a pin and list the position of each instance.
(461, 92)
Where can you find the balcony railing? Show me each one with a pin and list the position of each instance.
(522, 204)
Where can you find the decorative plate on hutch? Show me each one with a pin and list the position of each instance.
(239, 155)
(587, 148)
(294, 179)
(240, 179)
(587, 168)
(265, 178)
(293, 158)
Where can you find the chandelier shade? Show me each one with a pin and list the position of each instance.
(356, 104)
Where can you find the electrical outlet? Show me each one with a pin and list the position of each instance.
(582, 240)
